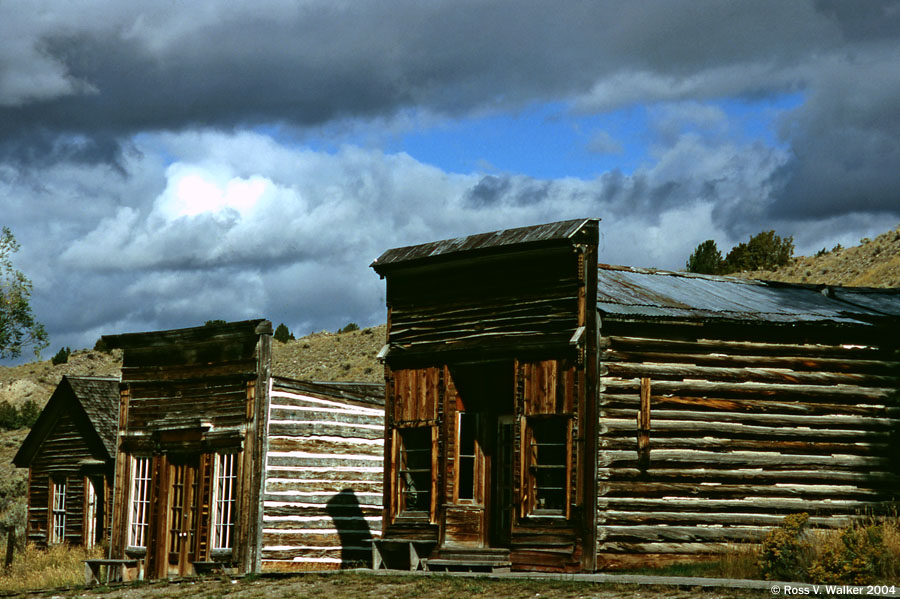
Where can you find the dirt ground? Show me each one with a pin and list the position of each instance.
(347, 585)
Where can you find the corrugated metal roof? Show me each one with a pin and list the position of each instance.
(662, 294)
(506, 238)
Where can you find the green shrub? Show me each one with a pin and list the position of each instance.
(61, 357)
(28, 413)
(24, 416)
(785, 550)
(9, 416)
(351, 326)
(101, 346)
(855, 558)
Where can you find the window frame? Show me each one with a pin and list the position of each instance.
(56, 527)
(531, 455)
(475, 459)
(91, 511)
(402, 436)
(224, 502)
(139, 497)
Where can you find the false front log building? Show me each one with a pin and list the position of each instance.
(221, 464)
(70, 453)
(544, 413)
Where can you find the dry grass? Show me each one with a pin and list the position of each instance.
(59, 566)
(329, 356)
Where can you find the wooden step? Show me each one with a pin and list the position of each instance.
(469, 559)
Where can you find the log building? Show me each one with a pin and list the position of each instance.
(544, 413)
(70, 455)
(222, 465)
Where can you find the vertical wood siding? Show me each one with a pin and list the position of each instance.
(738, 435)
(323, 491)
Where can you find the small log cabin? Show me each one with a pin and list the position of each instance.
(70, 455)
(222, 465)
(545, 413)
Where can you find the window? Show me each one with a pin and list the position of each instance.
(58, 511)
(467, 462)
(415, 469)
(140, 502)
(226, 477)
(90, 513)
(548, 465)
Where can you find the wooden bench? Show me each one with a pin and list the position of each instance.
(124, 570)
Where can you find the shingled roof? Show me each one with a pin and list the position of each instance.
(93, 401)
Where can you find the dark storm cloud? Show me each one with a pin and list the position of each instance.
(80, 79)
(322, 61)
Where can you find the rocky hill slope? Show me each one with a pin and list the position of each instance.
(872, 263)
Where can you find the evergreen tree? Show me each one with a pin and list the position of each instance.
(282, 333)
(706, 259)
(764, 251)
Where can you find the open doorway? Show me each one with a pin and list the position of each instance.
(479, 509)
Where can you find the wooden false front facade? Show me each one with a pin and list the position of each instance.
(491, 368)
(191, 444)
(70, 455)
(546, 414)
(223, 465)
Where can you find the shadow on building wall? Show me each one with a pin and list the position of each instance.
(353, 529)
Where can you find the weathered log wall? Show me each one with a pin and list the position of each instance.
(323, 490)
(740, 434)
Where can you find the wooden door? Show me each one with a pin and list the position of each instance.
(181, 534)
(502, 494)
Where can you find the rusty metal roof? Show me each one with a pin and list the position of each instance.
(644, 293)
(485, 242)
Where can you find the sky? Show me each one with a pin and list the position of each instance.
(167, 163)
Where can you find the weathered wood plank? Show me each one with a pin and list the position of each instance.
(745, 374)
(723, 444)
(808, 406)
(715, 475)
(729, 347)
(846, 393)
(754, 504)
(772, 461)
(787, 362)
(833, 421)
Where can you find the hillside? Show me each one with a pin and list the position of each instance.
(872, 263)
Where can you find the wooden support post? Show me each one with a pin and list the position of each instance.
(10, 546)
(643, 426)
